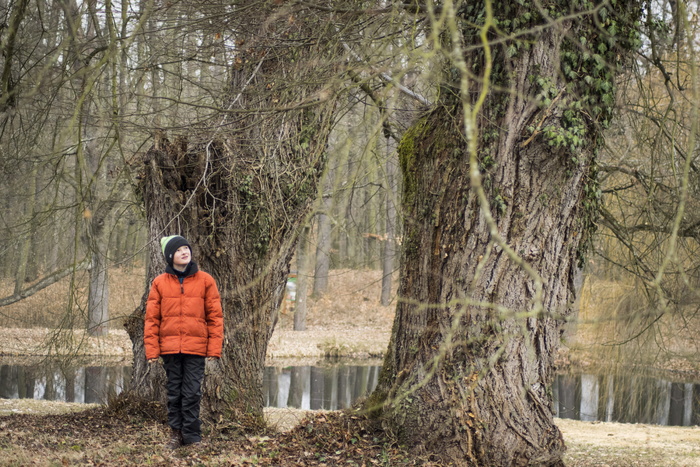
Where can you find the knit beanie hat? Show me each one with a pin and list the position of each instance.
(170, 244)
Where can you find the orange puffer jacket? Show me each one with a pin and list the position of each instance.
(183, 317)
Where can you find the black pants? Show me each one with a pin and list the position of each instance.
(185, 374)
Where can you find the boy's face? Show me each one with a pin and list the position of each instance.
(182, 257)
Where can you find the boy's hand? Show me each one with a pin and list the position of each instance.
(152, 360)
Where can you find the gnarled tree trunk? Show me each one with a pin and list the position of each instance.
(471, 358)
(240, 193)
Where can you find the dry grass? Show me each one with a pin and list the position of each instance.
(347, 321)
(40, 407)
(618, 444)
(49, 308)
(615, 331)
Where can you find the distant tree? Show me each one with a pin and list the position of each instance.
(303, 279)
(64, 74)
(323, 247)
(389, 247)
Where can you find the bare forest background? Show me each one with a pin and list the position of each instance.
(88, 88)
(85, 87)
(71, 169)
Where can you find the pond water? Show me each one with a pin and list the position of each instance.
(310, 387)
(627, 399)
(329, 387)
(588, 397)
(85, 384)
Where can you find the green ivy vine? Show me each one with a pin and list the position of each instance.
(582, 95)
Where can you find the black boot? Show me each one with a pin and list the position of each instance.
(175, 440)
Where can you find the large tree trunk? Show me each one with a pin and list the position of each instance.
(240, 196)
(471, 358)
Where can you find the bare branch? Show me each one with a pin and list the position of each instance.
(45, 282)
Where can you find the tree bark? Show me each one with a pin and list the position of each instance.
(303, 273)
(98, 290)
(467, 374)
(323, 247)
(8, 95)
(25, 240)
(389, 245)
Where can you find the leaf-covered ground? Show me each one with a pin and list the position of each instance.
(114, 437)
(104, 436)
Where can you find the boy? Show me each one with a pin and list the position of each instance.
(184, 325)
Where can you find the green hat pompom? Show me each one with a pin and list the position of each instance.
(164, 241)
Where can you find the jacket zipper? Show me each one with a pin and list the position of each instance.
(182, 292)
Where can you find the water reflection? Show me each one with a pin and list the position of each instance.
(588, 397)
(626, 399)
(89, 384)
(307, 387)
(310, 387)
